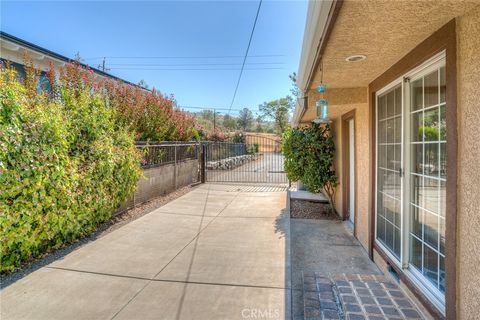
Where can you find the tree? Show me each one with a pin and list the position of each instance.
(259, 127)
(279, 111)
(245, 119)
(294, 90)
(229, 122)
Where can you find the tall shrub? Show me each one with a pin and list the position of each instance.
(309, 156)
(65, 165)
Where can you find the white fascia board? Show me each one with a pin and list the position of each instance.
(317, 20)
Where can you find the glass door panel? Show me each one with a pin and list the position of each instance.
(427, 176)
(389, 166)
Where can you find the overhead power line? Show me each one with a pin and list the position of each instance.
(246, 55)
(191, 64)
(185, 57)
(194, 69)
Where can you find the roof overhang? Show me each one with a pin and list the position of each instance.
(321, 16)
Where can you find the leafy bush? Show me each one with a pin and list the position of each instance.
(149, 114)
(309, 157)
(65, 165)
(253, 148)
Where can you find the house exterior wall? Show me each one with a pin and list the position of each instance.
(341, 101)
(468, 201)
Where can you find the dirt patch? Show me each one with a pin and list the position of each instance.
(117, 221)
(304, 209)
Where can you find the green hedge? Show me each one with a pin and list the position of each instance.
(65, 166)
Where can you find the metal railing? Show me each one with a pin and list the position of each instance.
(222, 150)
(156, 154)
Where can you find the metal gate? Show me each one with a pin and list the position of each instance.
(257, 158)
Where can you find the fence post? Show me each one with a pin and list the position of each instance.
(175, 168)
(202, 163)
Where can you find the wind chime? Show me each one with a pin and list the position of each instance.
(322, 104)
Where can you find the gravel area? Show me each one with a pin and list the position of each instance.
(116, 222)
(303, 209)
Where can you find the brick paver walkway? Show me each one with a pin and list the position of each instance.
(354, 297)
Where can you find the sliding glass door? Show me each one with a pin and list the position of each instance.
(411, 175)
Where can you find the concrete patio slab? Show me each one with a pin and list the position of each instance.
(247, 251)
(195, 204)
(168, 300)
(59, 294)
(140, 249)
(266, 206)
(214, 267)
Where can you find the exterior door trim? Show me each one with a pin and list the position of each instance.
(346, 168)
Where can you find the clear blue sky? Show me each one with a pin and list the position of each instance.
(174, 29)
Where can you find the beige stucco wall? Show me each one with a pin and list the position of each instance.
(341, 101)
(468, 201)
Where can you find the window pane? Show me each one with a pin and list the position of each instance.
(381, 228)
(397, 218)
(441, 285)
(380, 205)
(390, 131)
(388, 203)
(382, 156)
(443, 160)
(431, 89)
(396, 242)
(430, 229)
(443, 123)
(417, 94)
(416, 253)
(398, 100)
(381, 107)
(416, 221)
(430, 125)
(391, 157)
(417, 126)
(398, 157)
(431, 195)
(430, 264)
(417, 158)
(443, 197)
(390, 103)
(416, 191)
(442, 235)
(431, 157)
(398, 130)
(389, 235)
(382, 132)
(389, 183)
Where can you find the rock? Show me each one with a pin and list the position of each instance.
(231, 163)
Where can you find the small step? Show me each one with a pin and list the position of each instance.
(308, 196)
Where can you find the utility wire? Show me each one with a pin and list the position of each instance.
(192, 64)
(198, 69)
(246, 55)
(184, 57)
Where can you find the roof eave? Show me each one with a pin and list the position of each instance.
(321, 17)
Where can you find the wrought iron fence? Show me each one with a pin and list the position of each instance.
(222, 150)
(156, 154)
